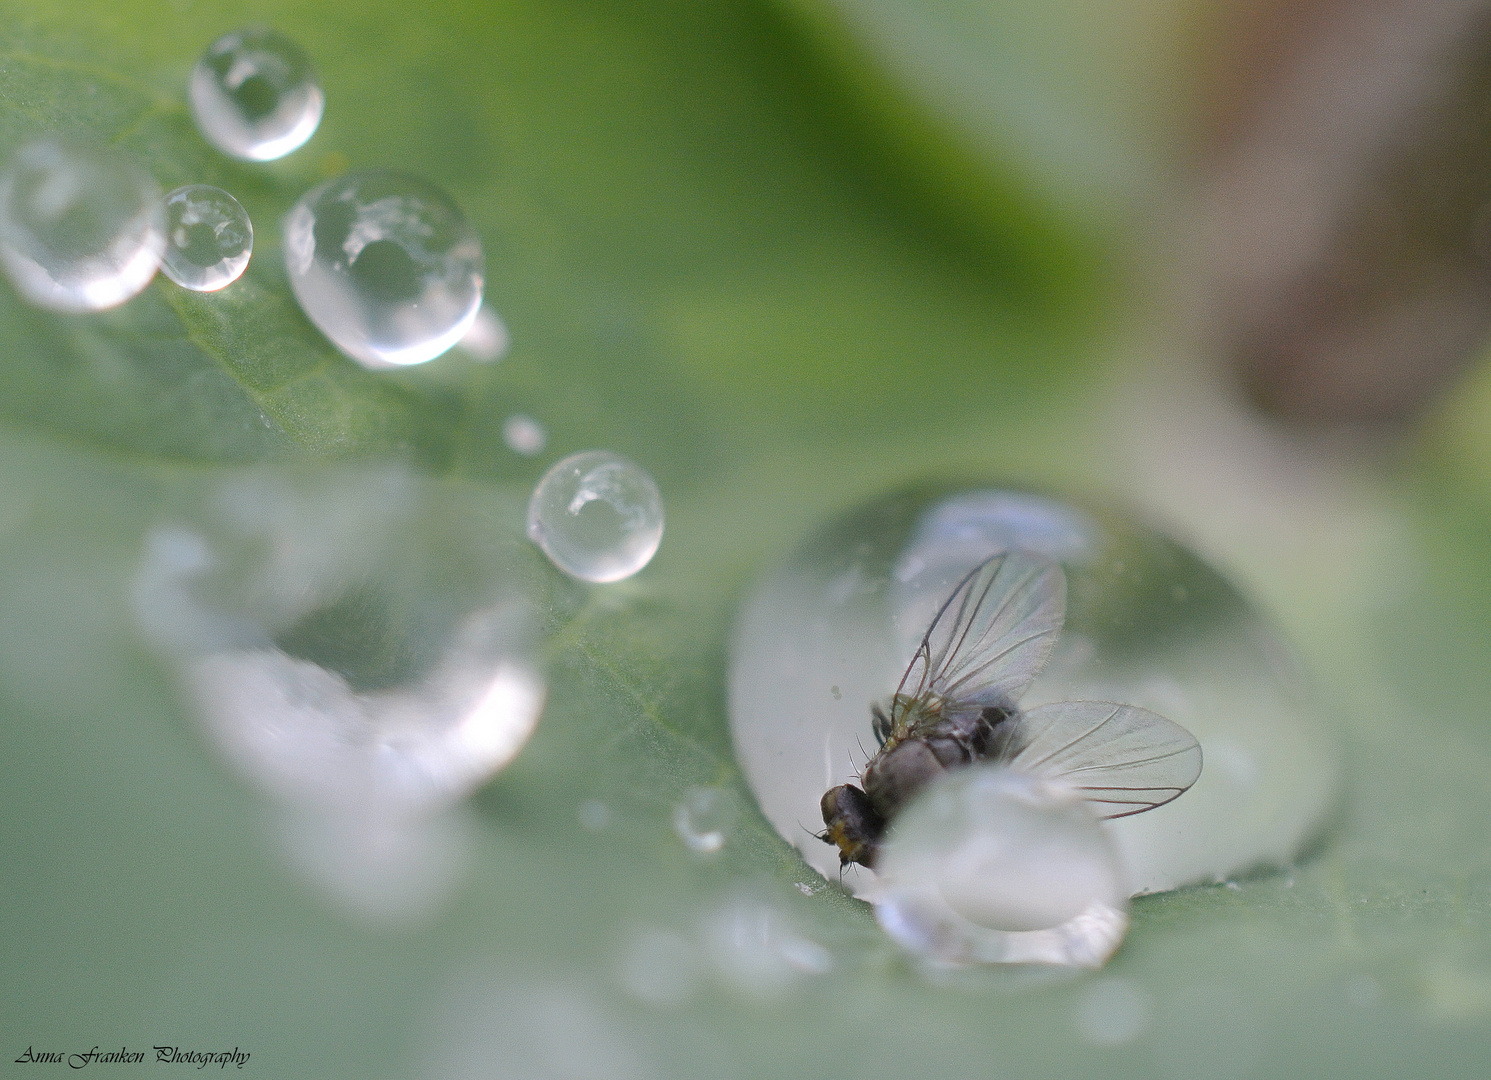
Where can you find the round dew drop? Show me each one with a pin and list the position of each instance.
(386, 265)
(209, 238)
(80, 226)
(597, 515)
(255, 95)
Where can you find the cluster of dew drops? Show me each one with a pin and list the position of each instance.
(382, 262)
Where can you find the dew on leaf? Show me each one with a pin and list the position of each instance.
(80, 226)
(209, 238)
(386, 265)
(597, 515)
(704, 817)
(255, 95)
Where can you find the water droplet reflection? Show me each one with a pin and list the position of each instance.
(850, 607)
(359, 646)
(80, 226)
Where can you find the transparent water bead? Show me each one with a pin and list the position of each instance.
(598, 515)
(255, 95)
(831, 631)
(993, 866)
(386, 265)
(704, 817)
(209, 238)
(80, 226)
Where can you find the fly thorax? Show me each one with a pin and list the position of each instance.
(898, 773)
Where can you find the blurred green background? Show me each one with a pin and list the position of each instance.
(787, 255)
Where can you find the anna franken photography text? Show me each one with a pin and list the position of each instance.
(162, 1055)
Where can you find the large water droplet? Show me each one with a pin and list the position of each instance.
(360, 645)
(386, 265)
(831, 632)
(80, 226)
(255, 95)
(989, 865)
(209, 238)
(598, 515)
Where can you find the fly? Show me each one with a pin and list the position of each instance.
(956, 705)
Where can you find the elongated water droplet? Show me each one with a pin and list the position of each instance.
(80, 226)
(386, 265)
(598, 515)
(209, 238)
(255, 95)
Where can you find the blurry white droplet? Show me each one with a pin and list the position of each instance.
(990, 865)
(703, 819)
(386, 265)
(756, 948)
(209, 238)
(505, 1026)
(524, 435)
(660, 967)
(80, 226)
(1113, 1011)
(380, 868)
(598, 515)
(316, 630)
(594, 815)
(486, 339)
(255, 96)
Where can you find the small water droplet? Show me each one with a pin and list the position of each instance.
(486, 340)
(1233, 886)
(1113, 1011)
(757, 949)
(991, 865)
(386, 265)
(594, 815)
(806, 889)
(209, 238)
(255, 96)
(598, 515)
(661, 967)
(704, 817)
(524, 435)
(80, 226)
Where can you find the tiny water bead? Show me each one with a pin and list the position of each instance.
(524, 435)
(386, 265)
(209, 238)
(255, 95)
(597, 515)
(80, 226)
(994, 866)
(703, 819)
(1147, 624)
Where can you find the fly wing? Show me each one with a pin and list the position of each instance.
(991, 638)
(1121, 758)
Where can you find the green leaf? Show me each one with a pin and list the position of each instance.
(716, 257)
